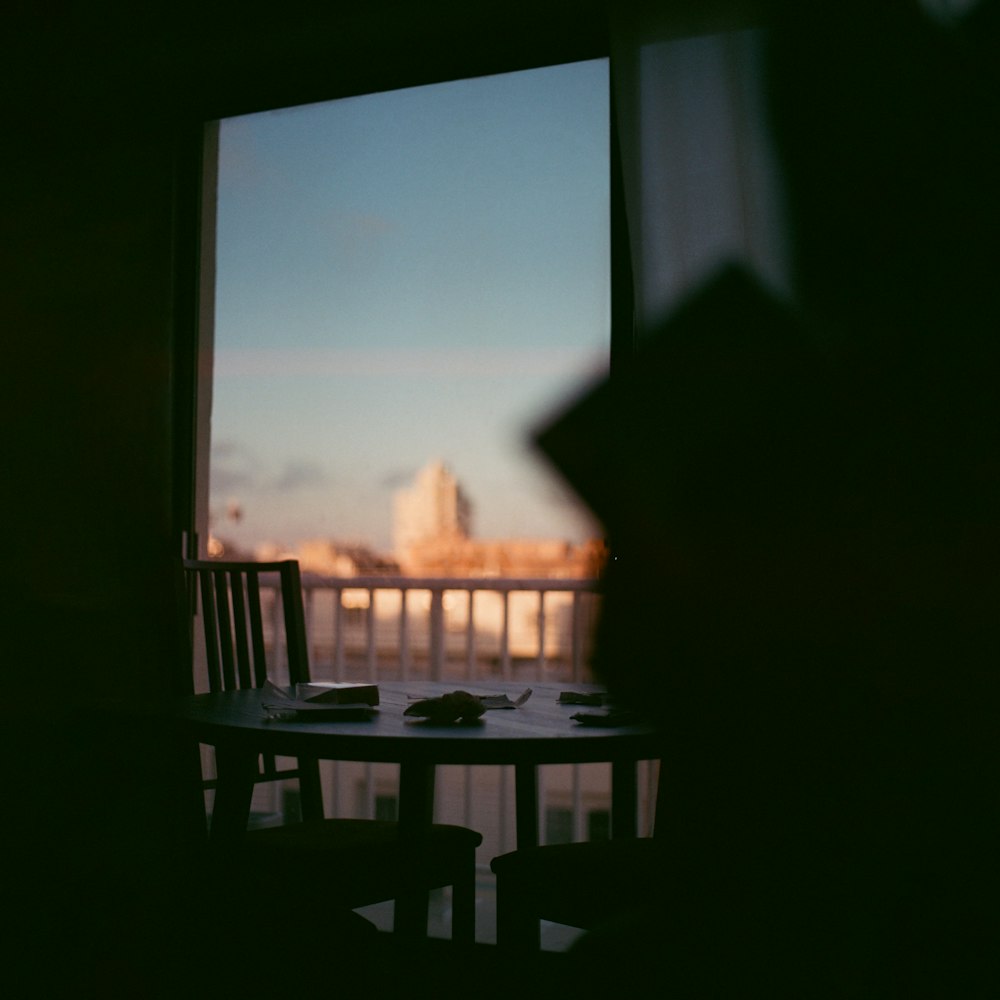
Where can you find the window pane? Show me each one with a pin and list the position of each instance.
(403, 278)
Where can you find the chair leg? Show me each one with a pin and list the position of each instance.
(409, 918)
(518, 928)
(463, 904)
(310, 790)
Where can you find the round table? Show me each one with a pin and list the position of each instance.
(541, 731)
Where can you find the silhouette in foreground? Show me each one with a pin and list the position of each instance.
(803, 502)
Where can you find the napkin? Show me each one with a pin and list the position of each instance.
(279, 706)
(460, 706)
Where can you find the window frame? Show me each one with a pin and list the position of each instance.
(195, 189)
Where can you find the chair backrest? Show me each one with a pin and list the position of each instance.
(229, 596)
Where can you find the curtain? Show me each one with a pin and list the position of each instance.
(700, 176)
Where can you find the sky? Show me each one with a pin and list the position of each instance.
(402, 277)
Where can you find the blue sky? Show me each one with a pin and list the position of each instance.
(403, 277)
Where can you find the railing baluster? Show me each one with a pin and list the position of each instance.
(503, 814)
(505, 637)
(577, 803)
(649, 802)
(543, 816)
(333, 767)
(467, 817)
(470, 637)
(404, 641)
(369, 792)
(541, 635)
(437, 634)
(576, 636)
(371, 658)
(338, 634)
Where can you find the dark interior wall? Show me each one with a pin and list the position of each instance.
(87, 321)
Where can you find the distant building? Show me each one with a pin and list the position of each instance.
(434, 508)
(526, 558)
(433, 538)
(330, 558)
(225, 548)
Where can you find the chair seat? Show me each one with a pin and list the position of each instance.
(357, 861)
(580, 884)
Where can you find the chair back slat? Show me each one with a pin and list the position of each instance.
(295, 624)
(257, 629)
(203, 582)
(236, 584)
(224, 630)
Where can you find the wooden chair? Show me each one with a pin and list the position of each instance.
(347, 862)
(580, 884)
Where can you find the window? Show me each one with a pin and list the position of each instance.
(403, 279)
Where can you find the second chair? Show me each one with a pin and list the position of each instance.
(580, 885)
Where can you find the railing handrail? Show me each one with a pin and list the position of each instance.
(496, 583)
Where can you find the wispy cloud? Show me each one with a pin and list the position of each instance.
(238, 472)
(297, 475)
(398, 478)
(234, 469)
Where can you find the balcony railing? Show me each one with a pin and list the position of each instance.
(462, 628)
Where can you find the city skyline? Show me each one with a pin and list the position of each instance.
(406, 277)
(420, 514)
